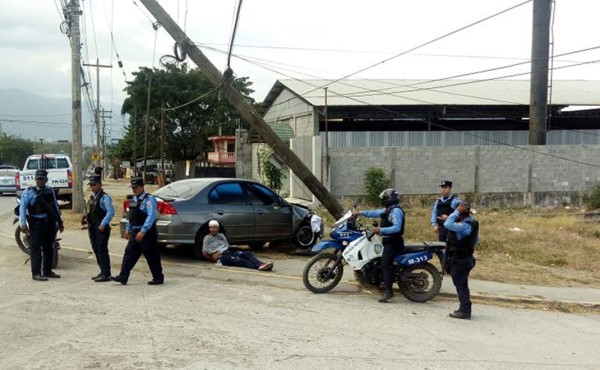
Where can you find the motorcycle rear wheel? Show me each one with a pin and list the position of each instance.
(22, 240)
(420, 283)
(321, 274)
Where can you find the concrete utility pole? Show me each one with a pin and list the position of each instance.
(98, 135)
(540, 51)
(76, 155)
(104, 114)
(245, 109)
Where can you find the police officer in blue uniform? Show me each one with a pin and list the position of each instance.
(463, 235)
(392, 229)
(141, 234)
(100, 213)
(39, 210)
(443, 206)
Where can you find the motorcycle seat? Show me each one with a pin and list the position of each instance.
(415, 247)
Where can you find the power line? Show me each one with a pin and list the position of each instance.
(428, 42)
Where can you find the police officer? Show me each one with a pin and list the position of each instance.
(141, 234)
(39, 209)
(100, 212)
(463, 235)
(392, 229)
(443, 206)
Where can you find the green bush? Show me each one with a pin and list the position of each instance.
(376, 181)
(592, 199)
(274, 175)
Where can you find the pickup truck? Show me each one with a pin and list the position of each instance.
(60, 174)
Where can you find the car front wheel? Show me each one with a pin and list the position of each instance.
(305, 238)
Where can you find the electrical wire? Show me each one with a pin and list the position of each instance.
(426, 43)
(214, 89)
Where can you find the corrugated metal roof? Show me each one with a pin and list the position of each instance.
(428, 92)
(283, 130)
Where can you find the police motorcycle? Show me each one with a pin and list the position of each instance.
(345, 230)
(22, 238)
(417, 279)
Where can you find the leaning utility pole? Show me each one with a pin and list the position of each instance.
(246, 110)
(540, 50)
(76, 155)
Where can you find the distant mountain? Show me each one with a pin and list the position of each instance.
(33, 116)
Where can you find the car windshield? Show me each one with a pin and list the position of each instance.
(180, 189)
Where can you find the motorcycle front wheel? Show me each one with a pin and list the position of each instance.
(420, 283)
(321, 273)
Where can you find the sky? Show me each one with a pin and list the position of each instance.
(280, 39)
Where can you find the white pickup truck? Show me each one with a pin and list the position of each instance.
(60, 174)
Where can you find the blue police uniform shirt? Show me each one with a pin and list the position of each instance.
(455, 202)
(461, 229)
(106, 205)
(149, 208)
(395, 217)
(29, 197)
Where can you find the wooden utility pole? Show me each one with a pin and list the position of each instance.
(540, 51)
(162, 144)
(134, 164)
(246, 110)
(76, 155)
(98, 132)
(147, 126)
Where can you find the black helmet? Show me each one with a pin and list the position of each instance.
(389, 197)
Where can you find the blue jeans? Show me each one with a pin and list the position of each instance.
(239, 259)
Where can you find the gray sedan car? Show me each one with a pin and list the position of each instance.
(249, 214)
(7, 178)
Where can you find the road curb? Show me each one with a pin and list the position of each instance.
(562, 305)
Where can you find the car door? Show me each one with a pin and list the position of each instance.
(273, 216)
(229, 206)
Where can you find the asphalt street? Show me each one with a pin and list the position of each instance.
(209, 317)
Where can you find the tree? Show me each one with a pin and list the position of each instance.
(14, 150)
(193, 112)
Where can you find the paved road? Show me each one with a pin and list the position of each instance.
(223, 318)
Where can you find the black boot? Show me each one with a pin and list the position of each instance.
(386, 296)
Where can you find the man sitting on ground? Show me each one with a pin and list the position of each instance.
(215, 247)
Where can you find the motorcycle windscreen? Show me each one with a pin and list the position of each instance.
(415, 258)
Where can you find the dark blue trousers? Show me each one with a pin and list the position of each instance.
(390, 251)
(442, 233)
(42, 233)
(240, 259)
(148, 248)
(99, 241)
(459, 271)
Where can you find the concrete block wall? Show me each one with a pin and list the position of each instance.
(481, 169)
